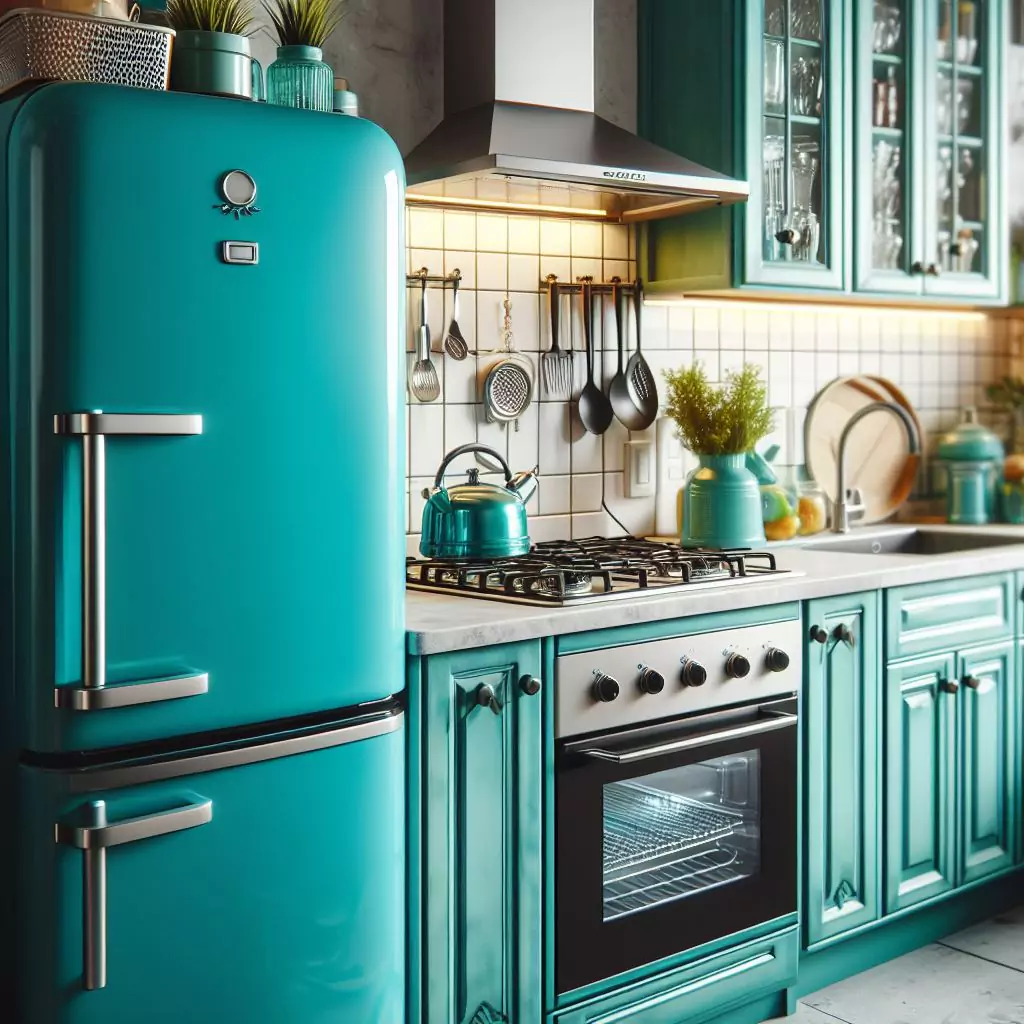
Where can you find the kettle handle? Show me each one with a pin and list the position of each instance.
(463, 450)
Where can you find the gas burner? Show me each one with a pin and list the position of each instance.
(589, 569)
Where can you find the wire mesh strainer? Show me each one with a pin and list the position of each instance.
(508, 387)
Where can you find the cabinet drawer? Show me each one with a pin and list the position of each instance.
(949, 614)
(700, 990)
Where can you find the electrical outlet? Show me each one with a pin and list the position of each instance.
(639, 471)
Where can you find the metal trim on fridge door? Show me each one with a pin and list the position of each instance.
(93, 839)
(93, 427)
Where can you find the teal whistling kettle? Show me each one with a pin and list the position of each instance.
(475, 519)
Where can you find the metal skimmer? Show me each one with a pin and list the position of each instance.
(508, 387)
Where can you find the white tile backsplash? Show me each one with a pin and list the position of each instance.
(941, 362)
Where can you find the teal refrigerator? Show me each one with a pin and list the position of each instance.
(202, 622)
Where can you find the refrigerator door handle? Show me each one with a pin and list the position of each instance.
(92, 839)
(92, 428)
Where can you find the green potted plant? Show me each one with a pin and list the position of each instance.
(299, 77)
(720, 425)
(211, 48)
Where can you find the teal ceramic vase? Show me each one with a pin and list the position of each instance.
(214, 63)
(972, 457)
(722, 505)
(300, 78)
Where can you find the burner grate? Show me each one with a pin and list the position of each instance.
(590, 568)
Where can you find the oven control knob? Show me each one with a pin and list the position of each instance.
(694, 674)
(776, 659)
(605, 688)
(737, 666)
(651, 681)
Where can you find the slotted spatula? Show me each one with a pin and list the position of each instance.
(556, 365)
(639, 378)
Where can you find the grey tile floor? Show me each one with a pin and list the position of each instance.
(973, 977)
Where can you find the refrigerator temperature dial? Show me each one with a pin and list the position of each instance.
(605, 688)
(737, 666)
(651, 681)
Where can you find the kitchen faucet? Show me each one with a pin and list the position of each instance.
(843, 508)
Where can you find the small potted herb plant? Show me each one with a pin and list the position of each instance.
(211, 47)
(299, 77)
(720, 425)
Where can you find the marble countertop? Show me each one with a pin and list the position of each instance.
(436, 623)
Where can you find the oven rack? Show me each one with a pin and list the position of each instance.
(697, 872)
(644, 825)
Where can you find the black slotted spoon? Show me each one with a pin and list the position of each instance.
(619, 394)
(593, 406)
(639, 379)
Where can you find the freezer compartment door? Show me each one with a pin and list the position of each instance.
(271, 890)
(208, 454)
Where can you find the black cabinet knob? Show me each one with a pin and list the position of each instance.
(651, 681)
(917, 267)
(737, 666)
(843, 633)
(605, 688)
(972, 682)
(487, 697)
(933, 270)
(776, 659)
(818, 635)
(949, 686)
(693, 674)
(530, 685)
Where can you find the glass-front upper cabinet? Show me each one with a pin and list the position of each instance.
(928, 147)
(796, 206)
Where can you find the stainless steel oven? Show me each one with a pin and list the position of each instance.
(678, 828)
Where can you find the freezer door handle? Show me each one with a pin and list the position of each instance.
(93, 428)
(93, 838)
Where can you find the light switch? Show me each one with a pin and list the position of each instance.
(638, 462)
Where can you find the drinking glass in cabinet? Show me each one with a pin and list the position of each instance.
(888, 26)
(944, 103)
(775, 17)
(806, 86)
(887, 239)
(964, 104)
(774, 77)
(805, 19)
(963, 252)
(958, 31)
(802, 224)
(774, 197)
(886, 243)
(945, 182)
(886, 107)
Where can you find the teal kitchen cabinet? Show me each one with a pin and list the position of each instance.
(921, 770)
(928, 160)
(952, 760)
(872, 142)
(754, 90)
(842, 756)
(478, 757)
(990, 773)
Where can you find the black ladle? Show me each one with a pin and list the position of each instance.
(625, 410)
(643, 391)
(593, 406)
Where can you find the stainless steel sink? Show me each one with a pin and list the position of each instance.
(915, 542)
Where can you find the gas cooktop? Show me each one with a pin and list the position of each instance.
(592, 569)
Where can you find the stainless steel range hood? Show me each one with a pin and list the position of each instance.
(520, 133)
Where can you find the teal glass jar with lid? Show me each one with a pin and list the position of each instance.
(300, 78)
(971, 456)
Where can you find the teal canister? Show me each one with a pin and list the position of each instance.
(722, 504)
(300, 78)
(214, 63)
(971, 456)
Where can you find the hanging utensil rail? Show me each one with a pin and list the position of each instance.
(597, 287)
(423, 274)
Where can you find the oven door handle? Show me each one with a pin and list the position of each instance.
(773, 720)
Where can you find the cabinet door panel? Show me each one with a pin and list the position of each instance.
(989, 784)
(841, 716)
(920, 780)
(482, 846)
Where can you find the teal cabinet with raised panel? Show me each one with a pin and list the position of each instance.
(990, 785)
(872, 137)
(478, 766)
(842, 756)
(920, 780)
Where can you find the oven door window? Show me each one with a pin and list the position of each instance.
(675, 833)
(672, 835)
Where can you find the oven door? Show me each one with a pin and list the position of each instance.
(673, 835)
